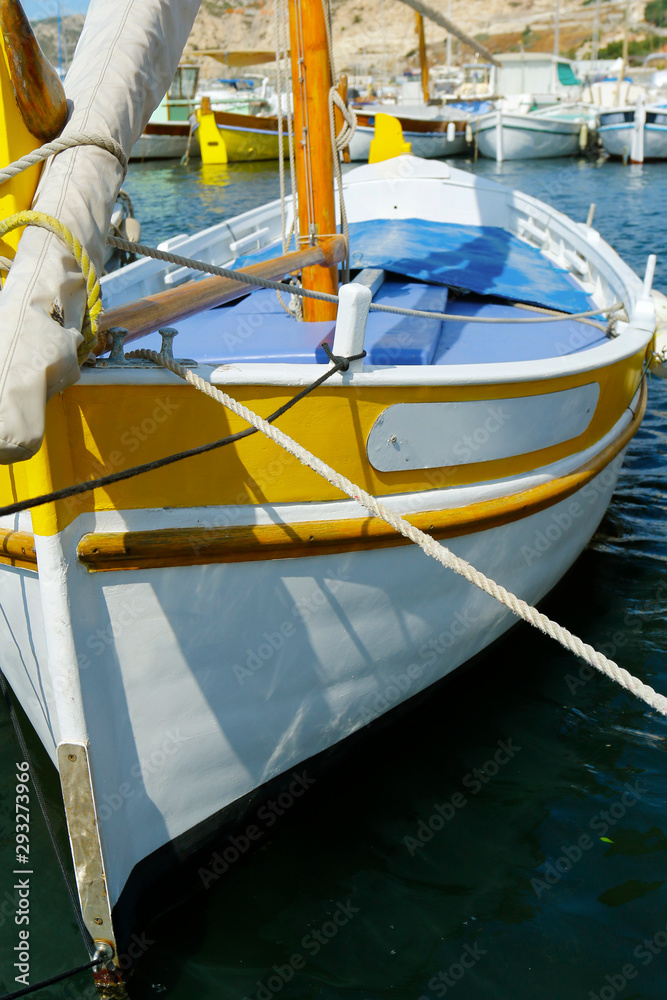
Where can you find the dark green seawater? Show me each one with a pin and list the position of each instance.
(406, 873)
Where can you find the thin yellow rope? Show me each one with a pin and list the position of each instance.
(91, 319)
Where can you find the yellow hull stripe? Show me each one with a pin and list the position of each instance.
(103, 551)
(244, 146)
(92, 430)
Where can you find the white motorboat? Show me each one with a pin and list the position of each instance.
(515, 135)
(635, 133)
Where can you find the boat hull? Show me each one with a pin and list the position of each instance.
(617, 135)
(427, 139)
(250, 137)
(526, 137)
(164, 142)
(221, 677)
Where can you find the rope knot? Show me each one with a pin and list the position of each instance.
(340, 362)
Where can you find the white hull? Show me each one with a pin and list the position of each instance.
(194, 681)
(617, 140)
(163, 147)
(220, 677)
(429, 145)
(526, 137)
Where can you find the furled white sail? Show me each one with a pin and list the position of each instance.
(125, 60)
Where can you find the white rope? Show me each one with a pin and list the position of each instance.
(105, 142)
(249, 279)
(338, 143)
(342, 140)
(551, 318)
(426, 542)
(281, 159)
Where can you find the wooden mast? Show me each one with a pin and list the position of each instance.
(423, 62)
(311, 82)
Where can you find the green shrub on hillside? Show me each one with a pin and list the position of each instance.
(656, 13)
(637, 48)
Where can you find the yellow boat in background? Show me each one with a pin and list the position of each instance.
(226, 137)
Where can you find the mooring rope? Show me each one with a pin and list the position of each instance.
(426, 542)
(59, 145)
(340, 364)
(256, 282)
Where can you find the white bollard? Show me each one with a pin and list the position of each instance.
(499, 136)
(354, 301)
(649, 274)
(637, 145)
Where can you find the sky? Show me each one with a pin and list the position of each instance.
(37, 9)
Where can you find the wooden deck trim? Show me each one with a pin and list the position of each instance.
(104, 551)
(17, 548)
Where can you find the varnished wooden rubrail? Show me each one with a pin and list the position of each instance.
(36, 85)
(164, 308)
(17, 548)
(198, 546)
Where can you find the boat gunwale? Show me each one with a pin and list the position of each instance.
(104, 551)
(402, 170)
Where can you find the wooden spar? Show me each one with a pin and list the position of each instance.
(311, 82)
(34, 110)
(143, 316)
(423, 63)
(448, 25)
(37, 88)
(621, 75)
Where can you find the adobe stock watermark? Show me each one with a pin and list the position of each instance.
(601, 823)
(634, 623)
(474, 781)
(644, 953)
(303, 610)
(398, 685)
(131, 439)
(445, 980)
(311, 943)
(562, 520)
(267, 815)
(108, 804)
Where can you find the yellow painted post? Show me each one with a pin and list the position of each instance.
(211, 143)
(388, 139)
(15, 138)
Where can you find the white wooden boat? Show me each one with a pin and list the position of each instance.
(187, 640)
(432, 133)
(512, 135)
(635, 133)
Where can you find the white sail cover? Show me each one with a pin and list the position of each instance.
(125, 61)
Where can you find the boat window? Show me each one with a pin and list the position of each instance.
(566, 75)
(184, 85)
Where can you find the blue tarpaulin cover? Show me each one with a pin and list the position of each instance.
(483, 259)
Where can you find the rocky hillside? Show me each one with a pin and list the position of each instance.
(378, 36)
(47, 35)
(372, 36)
